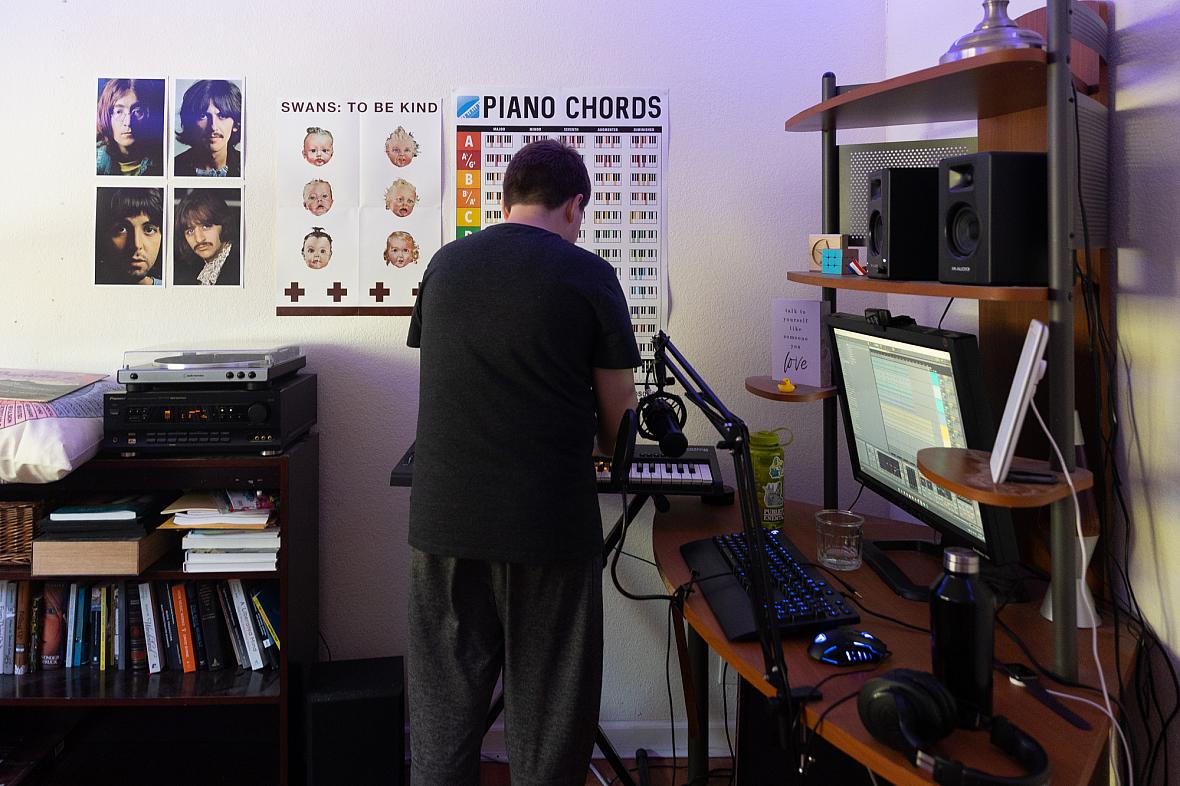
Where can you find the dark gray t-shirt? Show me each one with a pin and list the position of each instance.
(511, 322)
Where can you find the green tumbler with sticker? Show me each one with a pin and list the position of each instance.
(766, 454)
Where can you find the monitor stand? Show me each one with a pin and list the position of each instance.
(873, 552)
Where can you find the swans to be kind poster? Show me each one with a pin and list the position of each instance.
(359, 203)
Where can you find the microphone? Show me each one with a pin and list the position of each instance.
(660, 417)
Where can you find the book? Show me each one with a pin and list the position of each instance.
(136, 643)
(53, 629)
(7, 634)
(265, 595)
(267, 646)
(168, 630)
(55, 555)
(194, 623)
(221, 502)
(20, 656)
(212, 628)
(104, 624)
(127, 507)
(231, 625)
(71, 623)
(151, 638)
(245, 617)
(83, 616)
(35, 617)
(268, 566)
(250, 520)
(228, 556)
(225, 539)
(120, 598)
(184, 632)
(95, 624)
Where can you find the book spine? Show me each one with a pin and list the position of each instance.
(231, 625)
(270, 653)
(35, 618)
(194, 623)
(79, 653)
(264, 620)
(168, 628)
(121, 625)
(155, 656)
(211, 629)
(104, 611)
(95, 624)
(71, 624)
(136, 641)
(7, 645)
(246, 621)
(10, 628)
(20, 657)
(184, 633)
(53, 628)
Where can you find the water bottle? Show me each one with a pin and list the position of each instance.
(766, 454)
(962, 630)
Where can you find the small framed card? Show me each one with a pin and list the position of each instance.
(798, 342)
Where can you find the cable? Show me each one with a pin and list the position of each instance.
(866, 610)
(1117, 727)
(862, 490)
(1085, 596)
(668, 684)
(326, 647)
(614, 563)
(948, 308)
(725, 714)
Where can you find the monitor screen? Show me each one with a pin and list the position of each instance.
(907, 388)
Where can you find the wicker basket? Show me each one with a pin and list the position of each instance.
(16, 531)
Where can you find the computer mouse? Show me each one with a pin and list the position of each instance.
(847, 647)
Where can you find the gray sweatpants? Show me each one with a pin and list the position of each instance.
(542, 626)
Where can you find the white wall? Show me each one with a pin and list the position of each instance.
(743, 197)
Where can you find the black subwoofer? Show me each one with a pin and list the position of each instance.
(355, 723)
(902, 233)
(994, 215)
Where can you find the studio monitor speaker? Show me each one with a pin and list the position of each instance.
(902, 234)
(994, 215)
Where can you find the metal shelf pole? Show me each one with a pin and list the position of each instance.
(830, 221)
(1060, 147)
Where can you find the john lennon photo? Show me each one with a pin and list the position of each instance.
(129, 127)
(208, 129)
(207, 241)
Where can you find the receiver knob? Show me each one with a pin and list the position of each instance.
(258, 413)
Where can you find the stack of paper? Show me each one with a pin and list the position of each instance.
(219, 550)
(220, 509)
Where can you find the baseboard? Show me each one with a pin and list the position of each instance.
(626, 737)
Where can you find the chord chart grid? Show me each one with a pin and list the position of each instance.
(625, 220)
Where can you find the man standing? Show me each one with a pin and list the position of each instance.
(527, 355)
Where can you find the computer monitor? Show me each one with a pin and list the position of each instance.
(902, 388)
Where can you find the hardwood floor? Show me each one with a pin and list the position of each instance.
(493, 773)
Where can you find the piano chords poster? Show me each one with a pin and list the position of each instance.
(360, 204)
(623, 138)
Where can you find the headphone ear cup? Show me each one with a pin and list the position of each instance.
(880, 713)
(939, 711)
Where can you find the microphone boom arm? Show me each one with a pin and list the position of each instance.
(736, 438)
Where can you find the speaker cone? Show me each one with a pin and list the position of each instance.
(962, 230)
(876, 233)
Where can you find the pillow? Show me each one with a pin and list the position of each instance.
(44, 442)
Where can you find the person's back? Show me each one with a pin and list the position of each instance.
(527, 356)
(506, 424)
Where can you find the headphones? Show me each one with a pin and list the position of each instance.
(911, 710)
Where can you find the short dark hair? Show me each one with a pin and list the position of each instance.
(545, 173)
(204, 206)
(116, 204)
(224, 95)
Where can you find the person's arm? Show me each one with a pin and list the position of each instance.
(614, 390)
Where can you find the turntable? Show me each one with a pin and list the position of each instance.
(253, 368)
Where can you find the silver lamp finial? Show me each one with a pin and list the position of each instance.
(997, 31)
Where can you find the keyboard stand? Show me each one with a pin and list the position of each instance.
(636, 503)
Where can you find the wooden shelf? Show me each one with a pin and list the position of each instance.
(927, 288)
(167, 568)
(767, 387)
(968, 474)
(86, 686)
(987, 85)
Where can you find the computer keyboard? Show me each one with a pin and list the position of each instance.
(804, 602)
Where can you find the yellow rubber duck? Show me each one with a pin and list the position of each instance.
(786, 386)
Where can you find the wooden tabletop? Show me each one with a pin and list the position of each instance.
(1073, 753)
(767, 387)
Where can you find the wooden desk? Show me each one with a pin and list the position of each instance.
(1075, 756)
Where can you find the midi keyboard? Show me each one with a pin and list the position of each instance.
(695, 473)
